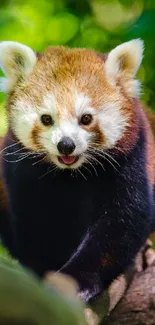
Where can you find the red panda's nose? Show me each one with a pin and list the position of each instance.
(66, 146)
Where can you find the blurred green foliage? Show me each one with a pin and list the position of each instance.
(25, 300)
(97, 24)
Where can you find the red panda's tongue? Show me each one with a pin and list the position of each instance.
(68, 160)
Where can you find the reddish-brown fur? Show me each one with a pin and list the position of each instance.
(108, 260)
(116, 197)
(150, 150)
(139, 118)
(34, 137)
(58, 70)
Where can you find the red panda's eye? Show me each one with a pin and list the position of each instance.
(46, 120)
(86, 119)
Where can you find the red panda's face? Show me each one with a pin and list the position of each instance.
(70, 105)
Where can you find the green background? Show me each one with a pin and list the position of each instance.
(98, 24)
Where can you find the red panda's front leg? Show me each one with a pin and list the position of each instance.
(110, 246)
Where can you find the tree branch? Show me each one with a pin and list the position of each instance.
(138, 305)
(130, 300)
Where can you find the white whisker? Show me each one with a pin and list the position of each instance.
(36, 162)
(105, 157)
(114, 160)
(96, 160)
(49, 171)
(13, 152)
(89, 162)
(15, 161)
(10, 146)
(81, 174)
(87, 169)
(110, 163)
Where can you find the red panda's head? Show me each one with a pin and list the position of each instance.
(69, 102)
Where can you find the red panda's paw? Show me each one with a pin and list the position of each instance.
(90, 288)
(90, 294)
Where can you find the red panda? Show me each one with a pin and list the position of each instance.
(77, 184)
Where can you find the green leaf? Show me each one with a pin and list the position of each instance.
(62, 28)
(24, 299)
(144, 27)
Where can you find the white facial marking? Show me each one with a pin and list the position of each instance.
(83, 105)
(56, 136)
(49, 105)
(23, 118)
(113, 123)
(68, 126)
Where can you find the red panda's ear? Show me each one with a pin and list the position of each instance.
(16, 61)
(124, 62)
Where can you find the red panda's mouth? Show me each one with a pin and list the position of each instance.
(68, 160)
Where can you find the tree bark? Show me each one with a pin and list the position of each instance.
(130, 300)
(138, 305)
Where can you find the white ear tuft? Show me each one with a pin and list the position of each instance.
(16, 61)
(124, 62)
